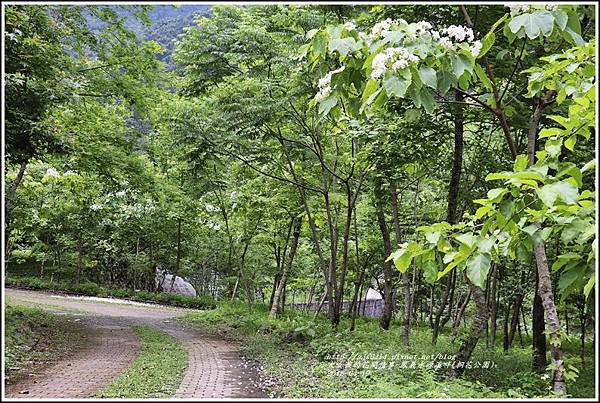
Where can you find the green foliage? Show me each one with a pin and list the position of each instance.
(32, 336)
(303, 366)
(156, 372)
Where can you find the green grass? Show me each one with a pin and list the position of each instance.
(92, 289)
(156, 372)
(295, 351)
(33, 335)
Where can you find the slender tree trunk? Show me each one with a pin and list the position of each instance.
(453, 193)
(405, 276)
(551, 316)
(505, 336)
(582, 320)
(479, 325)
(524, 321)
(544, 281)
(538, 337)
(9, 205)
(494, 305)
(388, 307)
(515, 318)
(441, 308)
(287, 268)
(460, 315)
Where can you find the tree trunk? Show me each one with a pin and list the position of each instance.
(538, 337)
(515, 318)
(505, 336)
(405, 277)
(479, 325)
(9, 205)
(453, 192)
(494, 305)
(545, 291)
(388, 301)
(460, 315)
(544, 280)
(287, 268)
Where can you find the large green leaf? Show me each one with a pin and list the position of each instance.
(343, 45)
(328, 103)
(460, 64)
(558, 190)
(428, 76)
(396, 86)
(478, 267)
(533, 24)
(445, 80)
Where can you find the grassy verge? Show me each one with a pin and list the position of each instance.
(92, 289)
(300, 354)
(156, 372)
(33, 336)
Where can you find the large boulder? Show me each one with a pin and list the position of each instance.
(165, 282)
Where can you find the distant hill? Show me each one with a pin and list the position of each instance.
(168, 22)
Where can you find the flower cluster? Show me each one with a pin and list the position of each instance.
(52, 172)
(325, 84)
(396, 58)
(383, 27)
(458, 33)
(517, 9)
(350, 26)
(96, 207)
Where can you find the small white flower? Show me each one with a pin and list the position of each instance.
(96, 207)
(324, 84)
(423, 26)
(323, 93)
(396, 58)
(475, 48)
(350, 26)
(459, 33)
(545, 377)
(52, 172)
(435, 35)
(446, 43)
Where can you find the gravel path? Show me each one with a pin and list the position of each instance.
(215, 369)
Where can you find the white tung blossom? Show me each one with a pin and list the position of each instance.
(447, 43)
(52, 172)
(459, 33)
(475, 48)
(96, 207)
(382, 28)
(396, 58)
(325, 84)
(350, 26)
(423, 26)
(517, 9)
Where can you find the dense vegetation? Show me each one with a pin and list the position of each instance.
(443, 155)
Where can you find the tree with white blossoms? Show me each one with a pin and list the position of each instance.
(417, 64)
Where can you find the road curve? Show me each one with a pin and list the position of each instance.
(215, 368)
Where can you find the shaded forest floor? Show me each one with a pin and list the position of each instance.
(301, 354)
